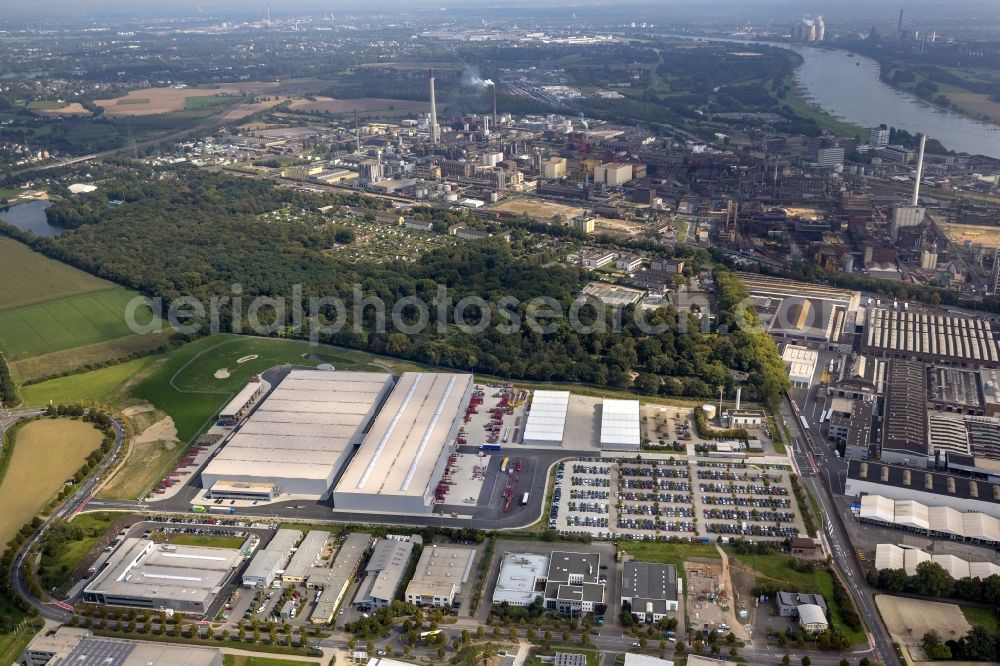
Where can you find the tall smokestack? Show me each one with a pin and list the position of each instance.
(435, 130)
(920, 170)
(495, 125)
(357, 132)
(739, 392)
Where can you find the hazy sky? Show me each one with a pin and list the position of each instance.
(86, 10)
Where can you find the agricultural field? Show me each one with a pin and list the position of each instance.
(206, 102)
(362, 105)
(158, 100)
(539, 209)
(73, 321)
(29, 277)
(46, 452)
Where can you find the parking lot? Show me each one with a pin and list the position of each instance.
(659, 499)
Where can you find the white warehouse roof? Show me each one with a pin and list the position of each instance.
(241, 399)
(402, 456)
(303, 431)
(547, 418)
(891, 556)
(620, 423)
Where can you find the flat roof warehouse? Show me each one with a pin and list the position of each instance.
(405, 452)
(388, 444)
(303, 432)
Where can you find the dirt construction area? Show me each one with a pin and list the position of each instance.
(709, 598)
(909, 619)
(539, 209)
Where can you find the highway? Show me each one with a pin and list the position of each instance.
(835, 538)
(60, 612)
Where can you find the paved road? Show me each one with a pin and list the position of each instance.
(78, 500)
(835, 535)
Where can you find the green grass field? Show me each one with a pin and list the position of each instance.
(57, 569)
(107, 386)
(247, 660)
(184, 387)
(181, 383)
(775, 569)
(668, 553)
(982, 617)
(29, 277)
(74, 321)
(208, 102)
(65, 361)
(202, 540)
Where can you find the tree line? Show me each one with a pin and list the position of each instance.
(198, 233)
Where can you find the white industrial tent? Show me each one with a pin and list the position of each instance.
(620, 424)
(547, 418)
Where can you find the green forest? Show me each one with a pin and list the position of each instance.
(198, 233)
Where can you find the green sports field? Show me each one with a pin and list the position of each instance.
(73, 321)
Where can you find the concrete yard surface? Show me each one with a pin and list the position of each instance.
(909, 619)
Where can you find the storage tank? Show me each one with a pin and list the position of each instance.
(709, 411)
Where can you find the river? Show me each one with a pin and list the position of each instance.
(848, 87)
(31, 217)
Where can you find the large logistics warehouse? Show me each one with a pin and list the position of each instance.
(547, 418)
(403, 456)
(299, 438)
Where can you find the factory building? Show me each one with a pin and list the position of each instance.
(384, 573)
(620, 424)
(891, 556)
(800, 363)
(546, 418)
(266, 563)
(904, 422)
(402, 457)
(143, 574)
(939, 489)
(300, 436)
(341, 574)
(305, 557)
(945, 522)
(439, 576)
(650, 591)
(965, 342)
